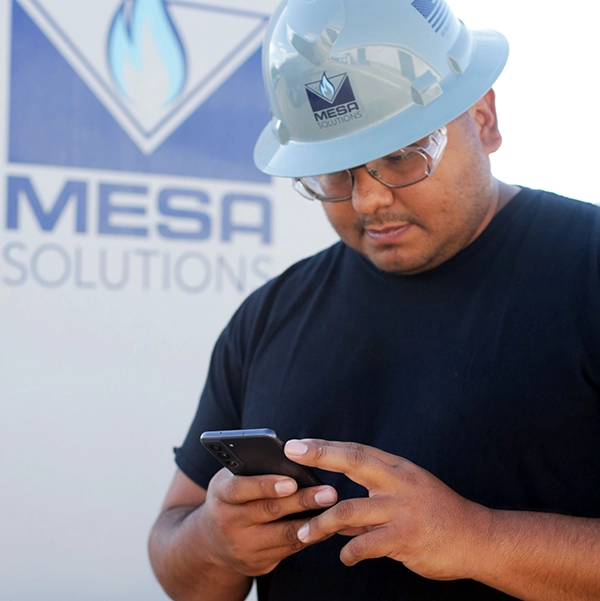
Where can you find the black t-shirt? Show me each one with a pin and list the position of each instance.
(484, 371)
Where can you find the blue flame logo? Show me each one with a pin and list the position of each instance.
(327, 88)
(145, 52)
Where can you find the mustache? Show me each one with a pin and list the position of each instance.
(386, 219)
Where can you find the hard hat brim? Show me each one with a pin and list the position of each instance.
(299, 159)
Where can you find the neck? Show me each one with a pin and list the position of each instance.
(502, 194)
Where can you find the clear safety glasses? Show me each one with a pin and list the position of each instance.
(402, 168)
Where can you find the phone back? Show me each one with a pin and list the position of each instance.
(255, 453)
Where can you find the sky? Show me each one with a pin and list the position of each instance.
(547, 96)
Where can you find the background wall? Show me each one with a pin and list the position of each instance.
(131, 229)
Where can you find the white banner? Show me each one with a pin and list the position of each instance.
(130, 232)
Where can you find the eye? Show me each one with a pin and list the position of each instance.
(332, 178)
(399, 157)
(396, 158)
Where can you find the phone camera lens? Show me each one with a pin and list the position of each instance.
(232, 463)
(215, 447)
(223, 455)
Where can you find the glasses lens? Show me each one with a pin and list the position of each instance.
(402, 168)
(331, 186)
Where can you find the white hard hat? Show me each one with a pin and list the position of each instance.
(349, 81)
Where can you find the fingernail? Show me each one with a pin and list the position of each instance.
(295, 447)
(303, 532)
(325, 497)
(285, 487)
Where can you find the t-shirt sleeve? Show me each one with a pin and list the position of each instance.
(220, 406)
(218, 410)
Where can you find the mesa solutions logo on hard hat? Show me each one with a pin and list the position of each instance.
(332, 100)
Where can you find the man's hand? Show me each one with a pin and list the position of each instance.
(409, 515)
(242, 519)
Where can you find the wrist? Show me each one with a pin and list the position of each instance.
(203, 533)
(479, 542)
(212, 568)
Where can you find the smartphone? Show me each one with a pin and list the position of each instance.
(254, 453)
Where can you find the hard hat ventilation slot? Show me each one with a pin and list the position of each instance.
(425, 88)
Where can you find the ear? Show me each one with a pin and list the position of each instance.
(483, 113)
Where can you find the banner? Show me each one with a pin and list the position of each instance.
(133, 224)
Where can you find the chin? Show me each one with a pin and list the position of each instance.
(397, 266)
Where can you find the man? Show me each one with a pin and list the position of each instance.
(451, 337)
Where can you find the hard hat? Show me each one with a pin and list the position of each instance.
(349, 81)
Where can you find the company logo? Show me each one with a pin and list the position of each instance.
(329, 92)
(114, 95)
(147, 65)
(332, 100)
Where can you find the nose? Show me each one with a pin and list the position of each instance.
(368, 194)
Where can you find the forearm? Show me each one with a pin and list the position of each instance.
(541, 557)
(183, 564)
